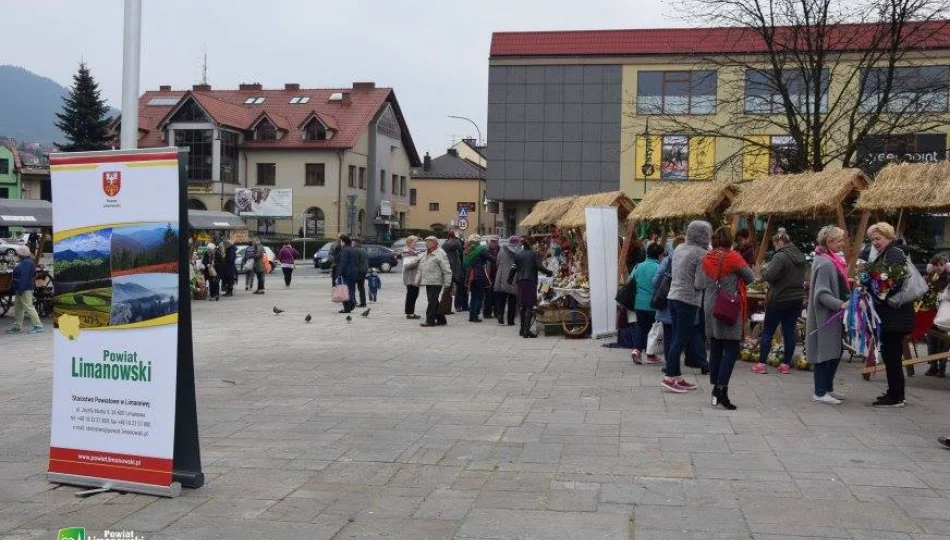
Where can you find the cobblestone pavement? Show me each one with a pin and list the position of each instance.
(381, 428)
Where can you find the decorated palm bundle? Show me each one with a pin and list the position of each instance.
(862, 326)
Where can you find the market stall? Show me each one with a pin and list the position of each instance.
(205, 226)
(566, 297)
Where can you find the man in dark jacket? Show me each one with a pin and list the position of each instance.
(362, 263)
(335, 252)
(24, 283)
(527, 265)
(453, 248)
(493, 249)
(349, 270)
(229, 276)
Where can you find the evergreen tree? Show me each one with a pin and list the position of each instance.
(84, 119)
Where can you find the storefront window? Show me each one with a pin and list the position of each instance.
(198, 142)
(229, 157)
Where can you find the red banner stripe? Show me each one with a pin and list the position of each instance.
(65, 159)
(107, 465)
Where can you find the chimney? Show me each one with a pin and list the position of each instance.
(165, 88)
(201, 88)
(347, 98)
(291, 86)
(364, 86)
(250, 86)
(426, 162)
(452, 152)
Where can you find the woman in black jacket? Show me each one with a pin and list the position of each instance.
(229, 276)
(896, 323)
(453, 248)
(527, 265)
(785, 275)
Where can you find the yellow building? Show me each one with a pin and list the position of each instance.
(346, 153)
(577, 112)
(445, 185)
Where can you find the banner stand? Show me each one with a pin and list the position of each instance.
(172, 490)
(187, 456)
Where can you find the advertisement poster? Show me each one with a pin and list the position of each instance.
(876, 152)
(264, 202)
(675, 165)
(116, 264)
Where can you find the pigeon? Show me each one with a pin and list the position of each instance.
(366, 313)
(349, 319)
(308, 318)
(277, 310)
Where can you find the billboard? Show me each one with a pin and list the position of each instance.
(876, 152)
(264, 202)
(116, 261)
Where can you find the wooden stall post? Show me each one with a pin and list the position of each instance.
(625, 250)
(843, 225)
(764, 246)
(858, 237)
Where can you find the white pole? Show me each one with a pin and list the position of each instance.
(131, 53)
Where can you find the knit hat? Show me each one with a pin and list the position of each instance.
(474, 238)
(432, 239)
(514, 240)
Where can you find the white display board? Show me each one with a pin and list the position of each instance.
(116, 277)
(602, 259)
(264, 202)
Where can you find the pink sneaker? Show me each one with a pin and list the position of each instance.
(635, 355)
(784, 369)
(683, 383)
(759, 368)
(672, 384)
(652, 359)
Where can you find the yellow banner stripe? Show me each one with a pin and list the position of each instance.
(82, 167)
(159, 163)
(63, 235)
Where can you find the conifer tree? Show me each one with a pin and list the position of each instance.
(84, 120)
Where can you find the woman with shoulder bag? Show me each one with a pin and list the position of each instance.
(723, 276)
(643, 275)
(661, 303)
(212, 268)
(410, 270)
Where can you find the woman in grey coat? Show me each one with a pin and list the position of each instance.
(723, 269)
(827, 297)
(505, 292)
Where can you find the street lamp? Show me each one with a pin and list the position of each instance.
(469, 120)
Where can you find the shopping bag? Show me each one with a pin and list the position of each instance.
(248, 265)
(942, 320)
(655, 339)
(340, 292)
(913, 288)
(445, 301)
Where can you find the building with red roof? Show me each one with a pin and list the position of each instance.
(345, 152)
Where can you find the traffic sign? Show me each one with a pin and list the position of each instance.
(462, 224)
(463, 212)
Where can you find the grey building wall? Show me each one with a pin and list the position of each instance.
(553, 131)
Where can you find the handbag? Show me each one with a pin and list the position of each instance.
(942, 320)
(655, 339)
(726, 307)
(340, 292)
(627, 295)
(248, 265)
(914, 287)
(512, 273)
(445, 301)
(662, 292)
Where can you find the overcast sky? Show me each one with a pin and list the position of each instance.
(434, 53)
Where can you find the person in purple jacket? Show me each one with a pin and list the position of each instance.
(287, 255)
(24, 276)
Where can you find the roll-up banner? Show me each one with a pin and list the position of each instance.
(118, 240)
(602, 260)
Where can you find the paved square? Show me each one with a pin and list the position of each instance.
(380, 428)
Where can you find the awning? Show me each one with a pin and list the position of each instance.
(26, 213)
(207, 220)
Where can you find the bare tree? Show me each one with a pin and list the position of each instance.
(832, 75)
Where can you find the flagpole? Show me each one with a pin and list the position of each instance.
(131, 54)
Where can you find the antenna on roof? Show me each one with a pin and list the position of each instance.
(204, 67)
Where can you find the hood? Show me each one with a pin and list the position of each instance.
(794, 255)
(699, 233)
(511, 249)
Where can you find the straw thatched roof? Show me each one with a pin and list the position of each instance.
(806, 195)
(909, 186)
(681, 200)
(547, 212)
(575, 215)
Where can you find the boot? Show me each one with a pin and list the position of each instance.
(724, 399)
(932, 370)
(715, 396)
(523, 321)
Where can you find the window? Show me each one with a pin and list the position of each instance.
(315, 222)
(402, 186)
(362, 179)
(4, 166)
(190, 112)
(265, 131)
(762, 94)
(912, 89)
(199, 143)
(433, 207)
(249, 101)
(395, 184)
(412, 197)
(299, 100)
(676, 92)
(266, 174)
(382, 181)
(314, 131)
(315, 174)
(229, 156)
(675, 157)
(388, 125)
(163, 101)
(351, 178)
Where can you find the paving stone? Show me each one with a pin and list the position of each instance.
(451, 509)
(855, 476)
(690, 518)
(531, 525)
(541, 453)
(573, 497)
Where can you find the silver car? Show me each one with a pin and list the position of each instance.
(240, 256)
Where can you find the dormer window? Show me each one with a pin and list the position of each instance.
(265, 131)
(315, 131)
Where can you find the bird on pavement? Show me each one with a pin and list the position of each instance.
(277, 310)
(308, 318)
(349, 319)
(366, 313)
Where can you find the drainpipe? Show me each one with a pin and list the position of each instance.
(339, 196)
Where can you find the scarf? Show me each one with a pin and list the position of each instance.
(732, 262)
(472, 254)
(840, 265)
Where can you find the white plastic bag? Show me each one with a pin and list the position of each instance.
(655, 339)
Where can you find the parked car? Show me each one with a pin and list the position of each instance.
(400, 245)
(240, 255)
(381, 257)
(8, 246)
(321, 259)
